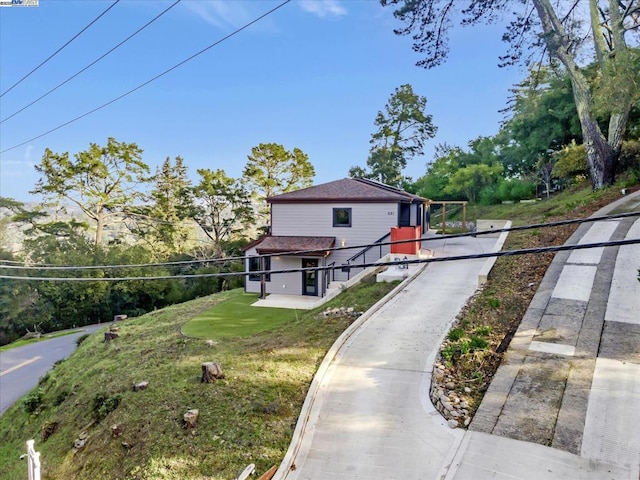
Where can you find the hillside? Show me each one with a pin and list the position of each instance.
(247, 417)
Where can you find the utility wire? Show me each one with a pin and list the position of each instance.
(235, 32)
(92, 63)
(503, 253)
(60, 49)
(21, 266)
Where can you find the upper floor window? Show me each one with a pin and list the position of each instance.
(341, 217)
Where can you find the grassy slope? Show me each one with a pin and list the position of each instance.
(246, 418)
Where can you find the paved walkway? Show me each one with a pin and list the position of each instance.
(571, 376)
(368, 415)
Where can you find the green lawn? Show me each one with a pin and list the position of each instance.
(236, 317)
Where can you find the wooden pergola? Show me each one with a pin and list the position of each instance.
(444, 204)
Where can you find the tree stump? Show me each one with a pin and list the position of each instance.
(191, 418)
(140, 386)
(116, 430)
(118, 318)
(211, 372)
(108, 336)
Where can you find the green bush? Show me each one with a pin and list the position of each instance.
(32, 403)
(484, 330)
(103, 405)
(516, 190)
(478, 343)
(456, 334)
(489, 195)
(571, 162)
(464, 347)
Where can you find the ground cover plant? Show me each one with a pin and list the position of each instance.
(89, 423)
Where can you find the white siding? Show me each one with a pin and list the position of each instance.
(286, 283)
(369, 222)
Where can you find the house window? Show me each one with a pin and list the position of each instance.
(254, 266)
(341, 217)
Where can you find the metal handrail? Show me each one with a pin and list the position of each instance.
(333, 271)
(364, 251)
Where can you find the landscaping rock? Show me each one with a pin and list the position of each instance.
(119, 318)
(452, 423)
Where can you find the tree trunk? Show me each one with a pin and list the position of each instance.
(602, 155)
(99, 227)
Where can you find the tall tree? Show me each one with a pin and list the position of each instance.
(544, 118)
(563, 34)
(403, 128)
(161, 220)
(271, 170)
(223, 207)
(101, 181)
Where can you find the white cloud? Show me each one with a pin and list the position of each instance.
(220, 14)
(323, 8)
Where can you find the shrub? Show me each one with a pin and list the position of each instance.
(478, 343)
(103, 405)
(516, 189)
(571, 162)
(489, 195)
(32, 403)
(456, 334)
(484, 330)
(61, 397)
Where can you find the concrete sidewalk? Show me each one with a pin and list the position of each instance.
(571, 375)
(368, 414)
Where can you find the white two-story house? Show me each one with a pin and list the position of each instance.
(316, 222)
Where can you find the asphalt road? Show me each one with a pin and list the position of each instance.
(21, 367)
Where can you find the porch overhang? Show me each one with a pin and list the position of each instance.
(311, 246)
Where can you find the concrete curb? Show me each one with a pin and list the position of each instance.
(486, 269)
(323, 369)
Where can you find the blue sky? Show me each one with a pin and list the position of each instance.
(311, 75)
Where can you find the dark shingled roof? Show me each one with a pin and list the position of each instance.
(281, 244)
(348, 190)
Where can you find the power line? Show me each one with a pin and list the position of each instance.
(60, 49)
(503, 253)
(92, 63)
(22, 266)
(235, 32)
